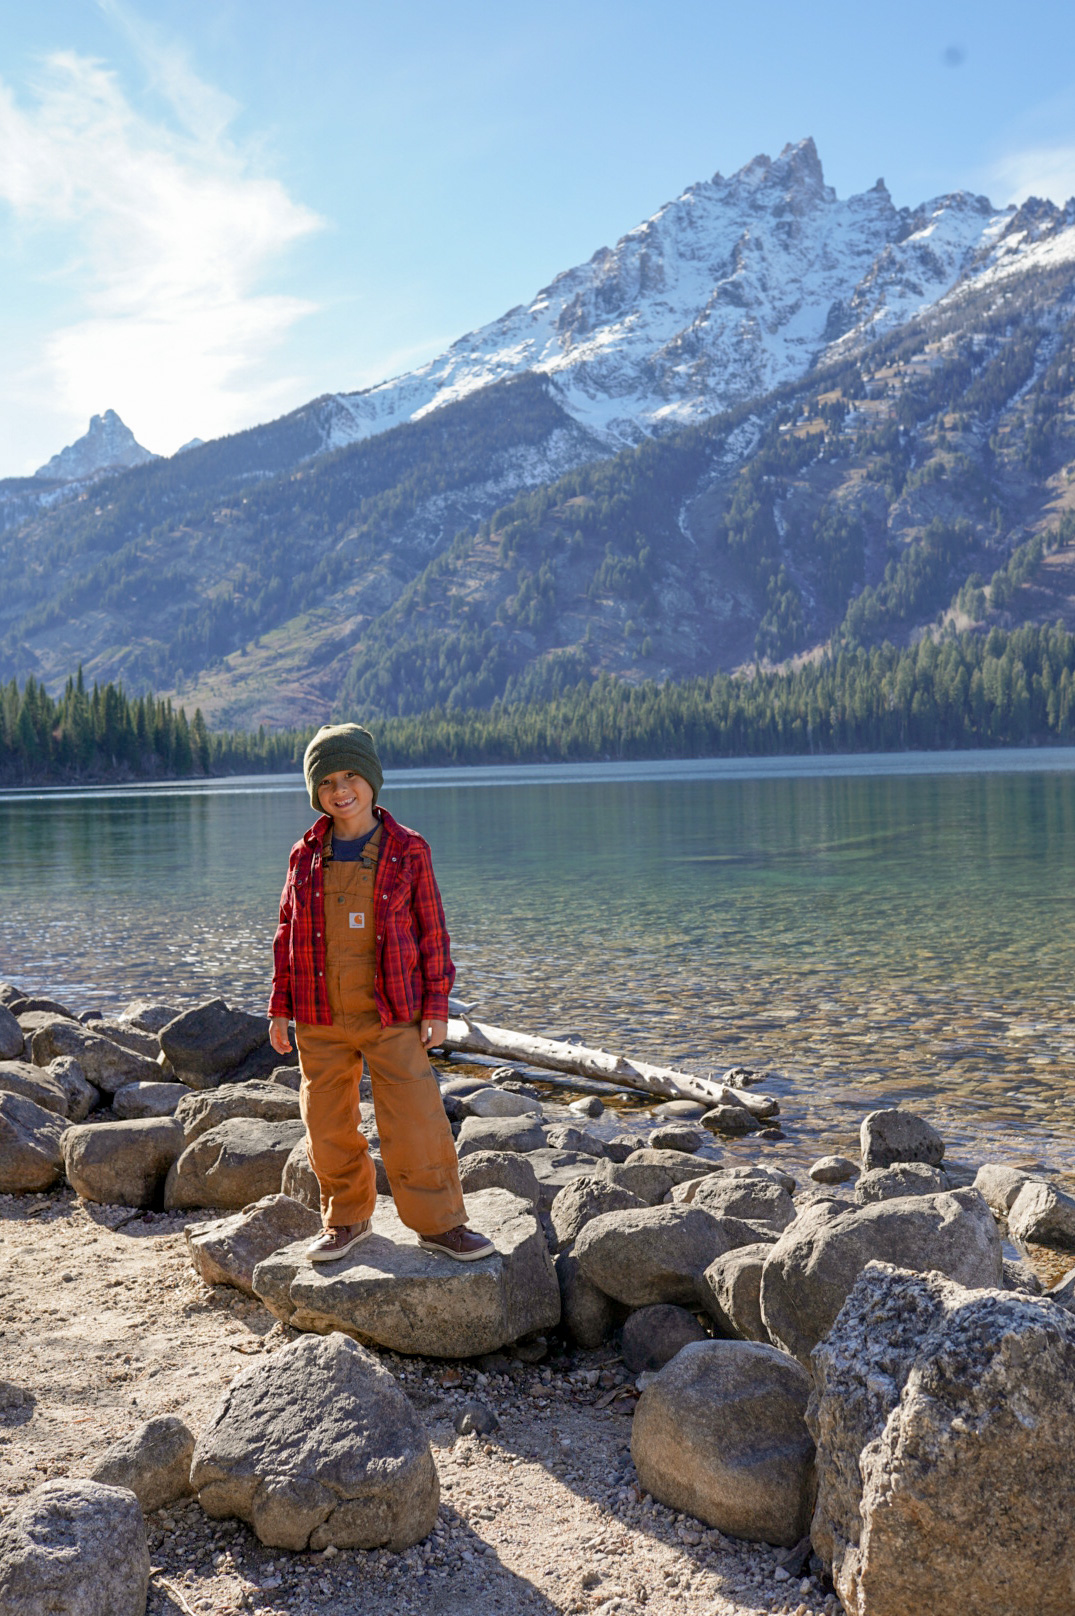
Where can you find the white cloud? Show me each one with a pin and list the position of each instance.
(1046, 171)
(166, 233)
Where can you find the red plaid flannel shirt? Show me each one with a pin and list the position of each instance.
(414, 971)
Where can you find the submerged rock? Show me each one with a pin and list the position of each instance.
(899, 1136)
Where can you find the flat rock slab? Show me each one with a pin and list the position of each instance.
(317, 1446)
(388, 1292)
(31, 1156)
(233, 1164)
(226, 1251)
(121, 1163)
(74, 1548)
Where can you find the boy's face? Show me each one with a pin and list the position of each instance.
(345, 795)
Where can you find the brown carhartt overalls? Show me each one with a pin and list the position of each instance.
(416, 1141)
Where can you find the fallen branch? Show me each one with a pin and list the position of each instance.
(173, 1592)
(482, 1039)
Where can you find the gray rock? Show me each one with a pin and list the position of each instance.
(153, 1463)
(210, 1040)
(650, 1174)
(74, 1548)
(127, 1037)
(103, 1063)
(121, 1163)
(590, 1106)
(730, 1293)
(623, 1145)
(148, 1100)
(1063, 1292)
(492, 1102)
(999, 1186)
(682, 1110)
(290, 1077)
(11, 996)
(227, 1250)
(562, 1136)
(34, 1083)
(678, 1136)
(762, 1106)
(1042, 1215)
(731, 1120)
(148, 1016)
(943, 1420)
(499, 1133)
(82, 1097)
(236, 1162)
(199, 1112)
(833, 1170)
(650, 1254)
(756, 1200)
(40, 1004)
(1019, 1276)
(587, 1315)
(653, 1335)
(720, 1434)
(555, 1168)
(258, 1067)
(476, 1419)
(899, 1136)
(299, 1180)
(499, 1170)
(317, 1445)
(903, 1178)
(685, 1193)
(31, 1156)
(585, 1198)
(389, 1292)
(813, 1266)
(12, 1038)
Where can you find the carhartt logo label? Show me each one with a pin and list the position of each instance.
(358, 922)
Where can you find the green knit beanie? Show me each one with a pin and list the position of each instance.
(341, 746)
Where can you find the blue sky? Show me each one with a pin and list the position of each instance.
(212, 211)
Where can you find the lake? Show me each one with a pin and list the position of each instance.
(867, 929)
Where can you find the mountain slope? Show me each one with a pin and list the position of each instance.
(108, 445)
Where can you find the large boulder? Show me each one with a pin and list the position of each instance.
(147, 1015)
(121, 1163)
(31, 1156)
(720, 1433)
(650, 1174)
(36, 1084)
(210, 1040)
(587, 1315)
(499, 1170)
(152, 1462)
(389, 1292)
(12, 1037)
(201, 1111)
(813, 1266)
(585, 1198)
(653, 1335)
(1042, 1215)
(730, 1293)
(128, 1037)
(74, 1548)
(226, 1251)
(499, 1133)
(899, 1136)
(103, 1063)
(236, 1162)
(148, 1100)
(650, 1254)
(318, 1445)
(899, 1180)
(943, 1421)
(758, 1200)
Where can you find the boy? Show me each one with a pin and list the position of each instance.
(360, 960)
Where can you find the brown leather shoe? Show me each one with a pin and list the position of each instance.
(332, 1243)
(461, 1243)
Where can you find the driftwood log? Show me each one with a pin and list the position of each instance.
(480, 1038)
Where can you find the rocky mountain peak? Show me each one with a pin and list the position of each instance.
(108, 445)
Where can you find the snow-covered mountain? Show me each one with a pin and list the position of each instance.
(108, 445)
(735, 287)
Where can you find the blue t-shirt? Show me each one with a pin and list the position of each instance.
(348, 851)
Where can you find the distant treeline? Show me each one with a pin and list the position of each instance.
(1012, 688)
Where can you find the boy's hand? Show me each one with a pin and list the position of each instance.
(434, 1033)
(278, 1037)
